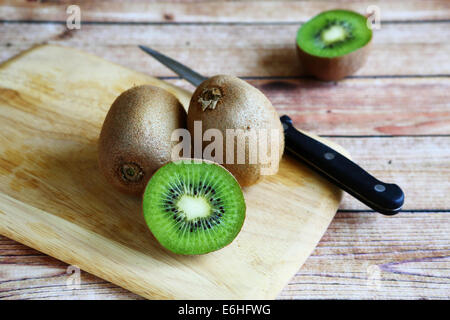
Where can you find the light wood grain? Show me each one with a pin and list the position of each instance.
(368, 256)
(29, 274)
(52, 197)
(419, 164)
(355, 241)
(361, 256)
(217, 11)
(356, 106)
(413, 245)
(243, 50)
(360, 107)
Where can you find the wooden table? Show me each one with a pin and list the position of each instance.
(393, 116)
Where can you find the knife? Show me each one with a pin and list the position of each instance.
(383, 197)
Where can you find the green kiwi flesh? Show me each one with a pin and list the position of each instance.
(334, 33)
(330, 44)
(193, 206)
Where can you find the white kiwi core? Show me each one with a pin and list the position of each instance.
(194, 207)
(334, 34)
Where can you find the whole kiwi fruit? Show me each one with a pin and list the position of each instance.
(226, 102)
(334, 44)
(135, 138)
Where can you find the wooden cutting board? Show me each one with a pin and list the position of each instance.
(53, 101)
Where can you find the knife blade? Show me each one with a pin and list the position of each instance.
(380, 196)
(186, 73)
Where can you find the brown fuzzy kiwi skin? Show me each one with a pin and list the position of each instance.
(136, 133)
(333, 69)
(241, 106)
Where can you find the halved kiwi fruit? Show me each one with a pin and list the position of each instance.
(193, 206)
(333, 44)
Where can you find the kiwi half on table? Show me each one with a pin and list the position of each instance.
(333, 44)
(193, 206)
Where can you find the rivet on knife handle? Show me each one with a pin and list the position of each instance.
(382, 197)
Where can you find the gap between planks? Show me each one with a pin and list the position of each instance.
(357, 250)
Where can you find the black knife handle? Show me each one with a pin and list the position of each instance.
(382, 197)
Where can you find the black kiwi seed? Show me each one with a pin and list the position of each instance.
(203, 223)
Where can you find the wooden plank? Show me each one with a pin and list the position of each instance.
(243, 50)
(361, 256)
(370, 256)
(354, 106)
(390, 106)
(29, 274)
(397, 106)
(217, 11)
(419, 165)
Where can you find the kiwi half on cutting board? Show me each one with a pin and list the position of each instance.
(334, 44)
(193, 206)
